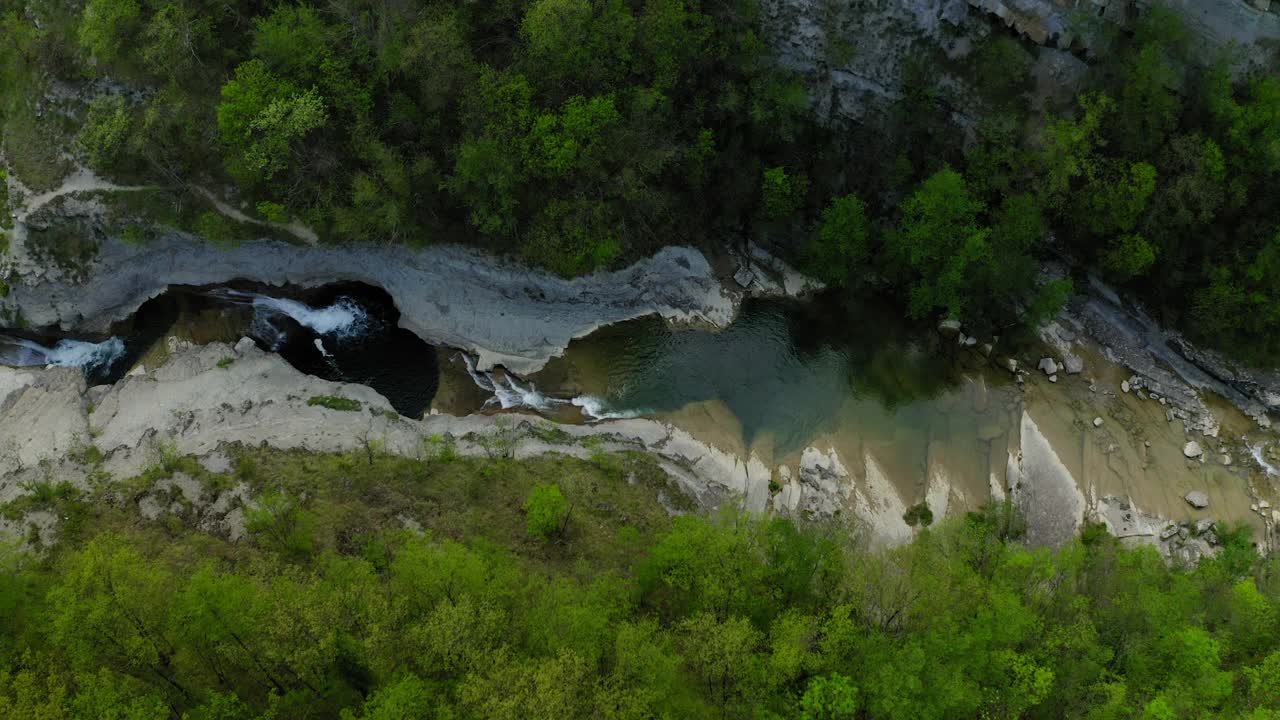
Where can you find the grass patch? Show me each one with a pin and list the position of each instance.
(225, 362)
(32, 144)
(467, 499)
(334, 402)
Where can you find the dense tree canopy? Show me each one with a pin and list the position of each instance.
(579, 134)
(570, 131)
(329, 608)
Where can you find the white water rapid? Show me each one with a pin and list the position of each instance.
(510, 393)
(65, 353)
(342, 319)
(1258, 455)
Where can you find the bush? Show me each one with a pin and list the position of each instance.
(547, 511)
(918, 514)
(105, 134)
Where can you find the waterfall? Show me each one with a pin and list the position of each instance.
(66, 353)
(343, 318)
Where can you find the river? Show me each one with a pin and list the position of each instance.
(913, 417)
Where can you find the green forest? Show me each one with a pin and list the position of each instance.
(582, 134)
(552, 588)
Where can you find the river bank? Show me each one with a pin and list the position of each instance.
(1100, 438)
(1127, 473)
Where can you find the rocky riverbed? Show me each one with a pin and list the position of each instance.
(1097, 435)
(203, 399)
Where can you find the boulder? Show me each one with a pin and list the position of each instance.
(949, 327)
(1168, 532)
(1203, 526)
(1192, 449)
(1053, 378)
(1097, 422)
(1073, 364)
(243, 345)
(1197, 499)
(1048, 366)
(1124, 386)
(744, 277)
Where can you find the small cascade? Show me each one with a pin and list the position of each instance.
(66, 353)
(1259, 455)
(509, 393)
(597, 408)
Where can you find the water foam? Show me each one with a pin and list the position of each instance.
(597, 408)
(65, 353)
(342, 319)
(510, 393)
(1257, 452)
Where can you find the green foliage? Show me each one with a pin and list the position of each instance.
(1242, 305)
(334, 402)
(106, 132)
(942, 243)
(831, 697)
(839, 249)
(278, 521)
(547, 511)
(781, 193)
(332, 609)
(262, 119)
(918, 514)
(1128, 256)
(106, 26)
(226, 362)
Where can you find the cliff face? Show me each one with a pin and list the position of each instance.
(855, 55)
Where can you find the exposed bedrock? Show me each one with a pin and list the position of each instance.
(503, 313)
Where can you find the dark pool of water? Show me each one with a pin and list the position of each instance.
(379, 354)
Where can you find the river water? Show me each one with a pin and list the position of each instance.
(897, 404)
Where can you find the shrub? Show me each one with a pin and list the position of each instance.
(547, 511)
(106, 133)
(918, 514)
